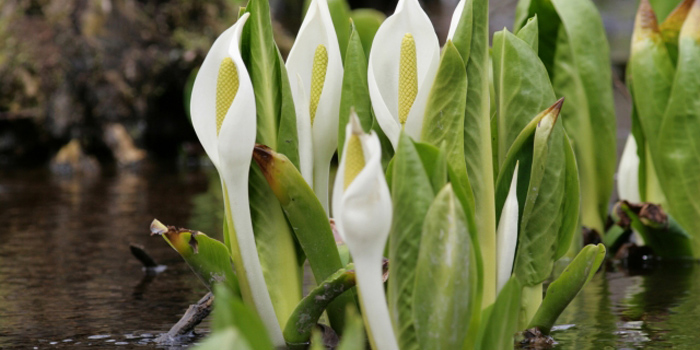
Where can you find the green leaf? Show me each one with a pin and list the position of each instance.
(231, 313)
(548, 183)
(288, 136)
(529, 33)
(444, 276)
(472, 42)
(671, 27)
(208, 258)
(355, 91)
(308, 220)
(500, 320)
(581, 72)
(522, 88)
(274, 240)
(548, 27)
(354, 333)
(304, 318)
(367, 22)
(678, 164)
(563, 290)
(340, 15)
(412, 195)
(663, 7)
(444, 119)
(260, 55)
(228, 339)
(660, 231)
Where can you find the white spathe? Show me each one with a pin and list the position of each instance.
(317, 142)
(231, 152)
(383, 68)
(363, 215)
(456, 16)
(628, 172)
(507, 234)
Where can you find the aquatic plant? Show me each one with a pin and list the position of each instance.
(455, 165)
(662, 156)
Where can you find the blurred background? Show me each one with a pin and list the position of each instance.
(111, 75)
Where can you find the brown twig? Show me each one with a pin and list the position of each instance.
(192, 317)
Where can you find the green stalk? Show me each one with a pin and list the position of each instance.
(530, 302)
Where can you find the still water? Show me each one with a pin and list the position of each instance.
(68, 280)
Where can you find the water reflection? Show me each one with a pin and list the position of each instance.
(65, 267)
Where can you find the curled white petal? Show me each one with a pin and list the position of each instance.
(456, 16)
(628, 172)
(383, 68)
(507, 234)
(317, 29)
(363, 214)
(234, 146)
(306, 160)
(203, 105)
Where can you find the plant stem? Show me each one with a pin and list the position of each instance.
(530, 302)
(373, 302)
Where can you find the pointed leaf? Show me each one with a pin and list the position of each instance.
(355, 90)
(563, 290)
(231, 313)
(499, 326)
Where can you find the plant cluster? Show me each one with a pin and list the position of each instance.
(463, 176)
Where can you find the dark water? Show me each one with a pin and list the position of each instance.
(68, 280)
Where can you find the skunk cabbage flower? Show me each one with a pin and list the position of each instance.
(628, 172)
(362, 209)
(402, 66)
(315, 71)
(507, 233)
(223, 114)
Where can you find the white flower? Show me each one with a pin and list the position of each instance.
(402, 66)
(628, 172)
(224, 118)
(315, 72)
(507, 234)
(362, 209)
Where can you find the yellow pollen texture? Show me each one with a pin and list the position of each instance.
(318, 78)
(354, 160)
(226, 89)
(408, 77)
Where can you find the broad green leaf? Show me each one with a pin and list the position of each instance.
(367, 22)
(261, 58)
(354, 333)
(412, 195)
(228, 339)
(522, 88)
(472, 42)
(663, 8)
(434, 162)
(230, 313)
(444, 276)
(208, 258)
(444, 119)
(308, 220)
(529, 33)
(304, 318)
(548, 26)
(355, 91)
(340, 14)
(581, 72)
(659, 230)
(274, 240)
(678, 163)
(500, 320)
(563, 290)
(288, 136)
(651, 72)
(671, 27)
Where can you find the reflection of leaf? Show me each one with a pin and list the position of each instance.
(563, 290)
(209, 259)
(445, 276)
